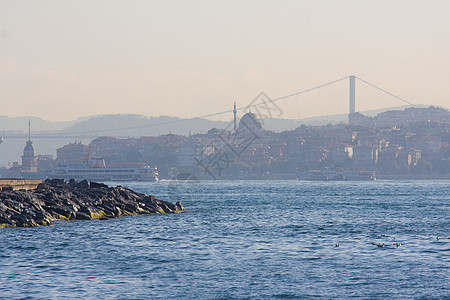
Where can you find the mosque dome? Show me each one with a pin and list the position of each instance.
(250, 121)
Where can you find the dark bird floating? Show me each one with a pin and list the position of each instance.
(57, 200)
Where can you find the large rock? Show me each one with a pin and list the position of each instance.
(56, 199)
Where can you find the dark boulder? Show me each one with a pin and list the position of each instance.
(83, 184)
(96, 185)
(178, 206)
(73, 183)
(55, 182)
(82, 216)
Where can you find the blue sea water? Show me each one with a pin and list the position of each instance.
(245, 240)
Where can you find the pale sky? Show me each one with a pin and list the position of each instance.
(65, 59)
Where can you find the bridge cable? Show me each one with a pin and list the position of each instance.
(384, 91)
(212, 114)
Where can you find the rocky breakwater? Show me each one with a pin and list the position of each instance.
(57, 200)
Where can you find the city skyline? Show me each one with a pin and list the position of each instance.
(60, 61)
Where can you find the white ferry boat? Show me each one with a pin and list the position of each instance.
(96, 170)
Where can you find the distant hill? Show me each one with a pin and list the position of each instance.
(20, 124)
(138, 125)
(278, 125)
(123, 125)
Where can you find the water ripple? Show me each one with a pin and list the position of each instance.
(245, 240)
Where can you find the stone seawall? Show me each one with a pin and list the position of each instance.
(18, 184)
(57, 200)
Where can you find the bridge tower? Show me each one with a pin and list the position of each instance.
(352, 94)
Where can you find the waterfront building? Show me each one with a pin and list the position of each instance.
(365, 157)
(72, 152)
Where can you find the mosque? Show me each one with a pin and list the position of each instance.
(249, 124)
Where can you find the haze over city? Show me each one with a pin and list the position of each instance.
(63, 60)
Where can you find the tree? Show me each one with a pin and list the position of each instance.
(444, 166)
(423, 166)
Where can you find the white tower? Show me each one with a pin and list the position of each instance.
(29, 158)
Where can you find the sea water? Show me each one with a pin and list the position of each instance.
(245, 240)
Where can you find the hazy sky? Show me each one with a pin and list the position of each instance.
(64, 59)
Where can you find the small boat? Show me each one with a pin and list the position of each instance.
(336, 174)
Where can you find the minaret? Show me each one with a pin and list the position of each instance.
(29, 130)
(234, 112)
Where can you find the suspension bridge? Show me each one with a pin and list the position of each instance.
(352, 80)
